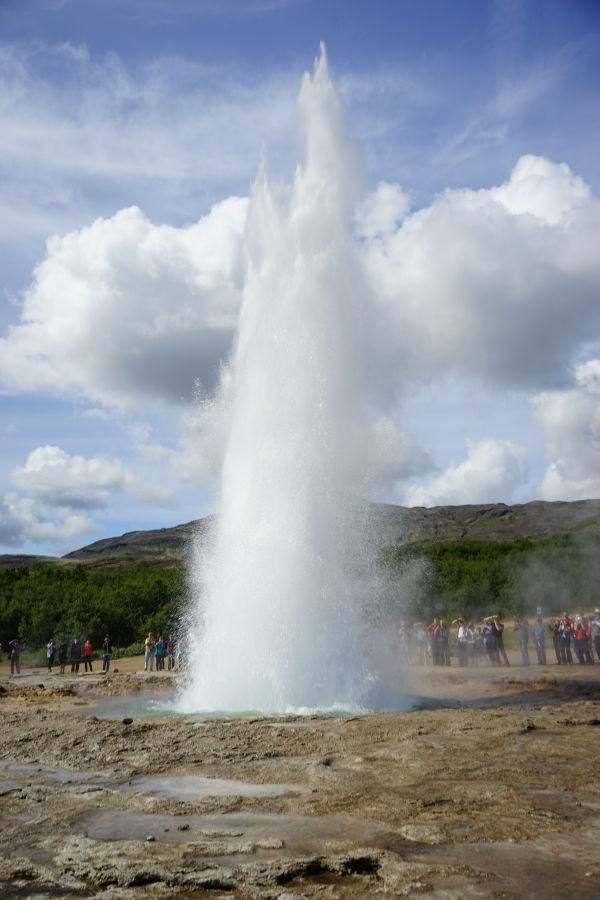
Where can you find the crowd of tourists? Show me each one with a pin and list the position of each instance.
(573, 638)
(157, 650)
(77, 654)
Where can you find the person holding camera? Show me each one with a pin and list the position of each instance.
(565, 633)
(498, 628)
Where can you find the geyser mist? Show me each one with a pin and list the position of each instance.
(278, 618)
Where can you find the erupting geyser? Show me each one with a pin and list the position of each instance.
(279, 618)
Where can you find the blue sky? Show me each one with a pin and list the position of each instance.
(488, 375)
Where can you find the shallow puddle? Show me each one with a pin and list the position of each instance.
(194, 787)
(148, 705)
(222, 834)
(64, 776)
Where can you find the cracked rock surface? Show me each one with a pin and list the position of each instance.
(497, 798)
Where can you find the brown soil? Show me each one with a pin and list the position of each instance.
(499, 798)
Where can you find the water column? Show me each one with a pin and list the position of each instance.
(276, 623)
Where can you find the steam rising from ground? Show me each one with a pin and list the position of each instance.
(280, 582)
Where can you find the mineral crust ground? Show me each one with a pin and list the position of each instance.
(499, 797)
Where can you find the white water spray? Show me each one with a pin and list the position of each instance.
(279, 618)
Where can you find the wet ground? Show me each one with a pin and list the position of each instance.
(498, 797)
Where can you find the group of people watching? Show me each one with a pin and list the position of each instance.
(155, 650)
(577, 636)
(78, 653)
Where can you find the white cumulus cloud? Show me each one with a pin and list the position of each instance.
(496, 285)
(492, 472)
(125, 310)
(570, 420)
(56, 479)
(57, 495)
(21, 520)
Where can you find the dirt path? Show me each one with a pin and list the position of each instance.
(497, 798)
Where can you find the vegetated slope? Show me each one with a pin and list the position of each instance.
(447, 561)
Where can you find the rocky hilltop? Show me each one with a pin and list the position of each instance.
(485, 522)
(161, 543)
(396, 525)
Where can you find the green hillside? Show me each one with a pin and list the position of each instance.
(448, 561)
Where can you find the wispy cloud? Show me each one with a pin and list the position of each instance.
(517, 90)
(98, 132)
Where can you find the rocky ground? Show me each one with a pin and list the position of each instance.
(497, 798)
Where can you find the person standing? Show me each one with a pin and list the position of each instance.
(62, 655)
(159, 652)
(444, 644)
(170, 652)
(522, 629)
(581, 640)
(50, 651)
(462, 642)
(498, 627)
(75, 655)
(565, 631)
(595, 626)
(149, 645)
(433, 631)
(106, 653)
(490, 641)
(15, 656)
(556, 642)
(539, 638)
(87, 654)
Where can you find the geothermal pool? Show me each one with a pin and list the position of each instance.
(146, 705)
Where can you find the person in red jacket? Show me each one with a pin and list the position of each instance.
(87, 654)
(582, 640)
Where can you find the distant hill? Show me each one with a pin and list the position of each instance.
(161, 543)
(486, 522)
(396, 526)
